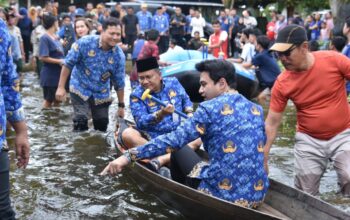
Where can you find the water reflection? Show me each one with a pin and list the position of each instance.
(61, 181)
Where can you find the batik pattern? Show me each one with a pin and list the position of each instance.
(232, 131)
(10, 103)
(92, 68)
(143, 111)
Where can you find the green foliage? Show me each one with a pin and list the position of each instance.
(3, 3)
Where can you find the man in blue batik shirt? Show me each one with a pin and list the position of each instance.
(93, 60)
(145, 18)
(151, 119)
(232, 130)
(11, 111)
(161, 23)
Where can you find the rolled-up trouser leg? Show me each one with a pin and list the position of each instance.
(81, 111)
(6, 211)
(100, 116)
(310, 162)
(342, 167)
(340, 155)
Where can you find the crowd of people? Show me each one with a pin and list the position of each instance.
(84, 51)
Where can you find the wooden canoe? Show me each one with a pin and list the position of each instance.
(281, 201)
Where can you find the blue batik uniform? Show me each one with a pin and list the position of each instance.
(10, 103)
(232, 131)
(93, 68)
(160, 23)
(143, 112)
(145, 20)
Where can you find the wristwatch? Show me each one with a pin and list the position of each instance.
(121, 105)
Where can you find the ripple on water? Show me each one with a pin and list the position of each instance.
(62, 182)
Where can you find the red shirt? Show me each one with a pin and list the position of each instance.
(319, 95)
(270, 30)
(149, 49)
(215, 39)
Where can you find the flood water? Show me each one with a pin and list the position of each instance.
(62, 182)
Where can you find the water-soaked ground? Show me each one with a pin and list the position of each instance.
(61, 180)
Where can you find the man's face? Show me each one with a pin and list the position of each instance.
(71, 9)
(112, 35)
(144, 9)
(252, 39)
(2, 16)
(49, 7)
(208, 89)
(130, 11)
(12, 20)
(346, 30)
(295, 59)
(196, 35)
(151, 80)
(216, 28)
(233, 12)
(66, 21)
(89, 7)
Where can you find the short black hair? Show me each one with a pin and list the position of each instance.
(173, 41)
(48, 20)
(313, 45)
(246, 31)
(215, 22)
(65, 15)
(152, 34)
(218, 69)
(115, 14)
(347, 22)
(263, 41)
(339, 43)
(111, 21)
(255, 31)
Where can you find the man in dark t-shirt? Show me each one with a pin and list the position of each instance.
(266, 65)
(130, 28)
(177, 27)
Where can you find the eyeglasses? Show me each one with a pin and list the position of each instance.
(286, 53)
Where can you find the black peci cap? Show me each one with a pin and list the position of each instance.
(146, 64)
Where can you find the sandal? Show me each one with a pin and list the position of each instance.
(153, 165)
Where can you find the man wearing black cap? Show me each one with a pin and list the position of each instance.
(151, 119)
(315, 82)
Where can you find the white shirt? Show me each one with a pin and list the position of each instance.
(248, 51)
(175, 49)
(197, 24)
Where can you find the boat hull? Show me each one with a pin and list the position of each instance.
(281, 201)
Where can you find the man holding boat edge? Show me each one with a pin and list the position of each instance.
(315, 82)
(232, 130)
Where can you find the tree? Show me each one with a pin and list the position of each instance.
(340, 10)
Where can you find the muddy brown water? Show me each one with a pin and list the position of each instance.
(62, 182)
